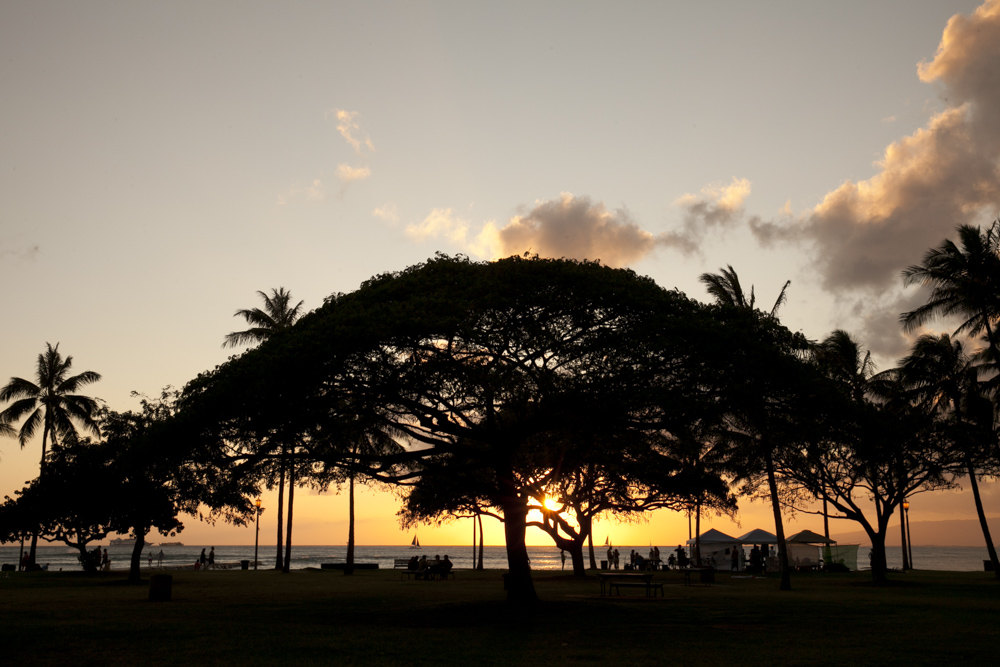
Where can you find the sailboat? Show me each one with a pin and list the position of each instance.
(415, 544)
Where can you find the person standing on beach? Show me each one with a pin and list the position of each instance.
(203, 560)
(562, 554)
(159, 559)
(211, 558)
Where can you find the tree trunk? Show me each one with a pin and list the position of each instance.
(982, 518)
(779, 529)
(902, 537)
(520, 587)
(697, 534)
(136, 560)
(590, 544)
(286, 568)
(88, 566)
(279, 559)
(41, 471)
(349, 565)
(879, 567)
(480, 565)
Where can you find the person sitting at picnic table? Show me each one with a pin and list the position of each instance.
(413, 565)
(422, 569)
(682, 557)
(671, 561)
(446, 566)
(435, 567)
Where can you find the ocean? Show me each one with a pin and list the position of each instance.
(955, 559)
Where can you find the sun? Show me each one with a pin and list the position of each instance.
(553, 504)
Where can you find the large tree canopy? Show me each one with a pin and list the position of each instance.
(523, 368)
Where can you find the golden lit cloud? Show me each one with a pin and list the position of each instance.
(347, 173)
(577, 228)
(717, 206)
(351, 130)
(941, 176)
(388, 212)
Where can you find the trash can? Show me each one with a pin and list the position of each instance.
(244, 565)
(604, 564)
(159, 587)
(987, 565)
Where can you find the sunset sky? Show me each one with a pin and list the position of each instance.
(161, 162)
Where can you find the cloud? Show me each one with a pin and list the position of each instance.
(388, 212)
(315, 190)
(350, 130)
(347, 173)
(443, 223)
(941, 176)
(717, 206)
(579, 228)
(576, 227)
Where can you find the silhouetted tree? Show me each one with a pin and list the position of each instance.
(943, 378)
(51, 402)
(964, 280)
(277, 315)
(750, 425)
(483, 361)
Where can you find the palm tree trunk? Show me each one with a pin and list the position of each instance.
(349, 565)
(291, 499)
(902, 538)
(697, 534)
(779, 529)
(279, 559)
(982, 518)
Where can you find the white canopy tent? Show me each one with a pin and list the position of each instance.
(758, 536)
(716, 548)
(803, 547)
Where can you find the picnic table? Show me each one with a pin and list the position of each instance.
(613, 582)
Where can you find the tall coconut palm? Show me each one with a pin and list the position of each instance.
(726, 289)
(965, 280)
(373, 440)
(278, 314)
(51, 402)
(944, 377)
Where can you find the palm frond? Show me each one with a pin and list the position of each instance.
(19, 388)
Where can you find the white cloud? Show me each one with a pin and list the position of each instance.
(347, 173)
(388, 212)
(351, 130)
(941, 176)
(717, 206)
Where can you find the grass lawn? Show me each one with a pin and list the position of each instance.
(374, 618)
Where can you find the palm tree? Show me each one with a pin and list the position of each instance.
(942, 376)
(725, 287)
(964, 280)
(373, 440)
(276, 316)
(51, 402)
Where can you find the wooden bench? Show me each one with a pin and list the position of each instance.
(650, 587)
(613, 582)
